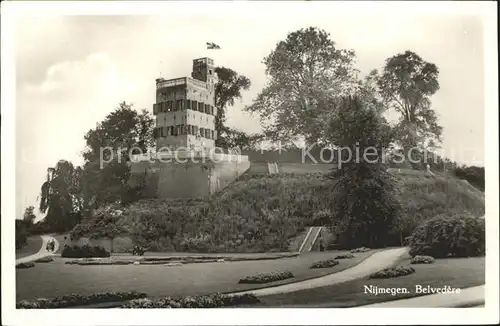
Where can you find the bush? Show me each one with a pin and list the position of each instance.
(443, 236)
(325, 263)
(362, 249)
(47, 259)
(345, 256)
(76, 299)
(84, 251)
(25, 265)
(205, 301)
(266, 278)
(102, 223)
(422, 260)
(393, 272)
(21, 234)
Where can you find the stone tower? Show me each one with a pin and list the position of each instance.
(185, 110)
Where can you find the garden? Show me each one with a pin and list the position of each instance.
(57, 278)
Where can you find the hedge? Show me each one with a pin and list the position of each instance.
(266, 278)
(325, 263)
(393, 272)
(84, 251)
(445, 236)
(345, 256)
(76, 299)
(422, 260)
(25, 265)
(217, 300)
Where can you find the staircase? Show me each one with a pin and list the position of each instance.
(273, 168)
(311, 237)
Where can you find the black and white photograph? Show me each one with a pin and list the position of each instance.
(248, 155)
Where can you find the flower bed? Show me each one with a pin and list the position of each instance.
(422, 260)
(75, 299)
(266, 278)
(99, 261)
(362, 249)
(325, 263)
(84, 251)
(345, 256)
(393, 272)
(47, 259)
(25, 265)
(205, 301)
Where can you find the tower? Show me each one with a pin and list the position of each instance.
(204, 70)
(185, 110)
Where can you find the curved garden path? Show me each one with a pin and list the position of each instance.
(43, 252)
(374, 263)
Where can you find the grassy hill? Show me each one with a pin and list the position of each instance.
(262, 213)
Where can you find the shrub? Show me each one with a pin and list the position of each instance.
(422, 260)
(325, 263)
(84, 251)
(345, 256)
(443, 236)
(102, 223)
(205, 301)
(21, 234)
(47, 259)
(76, 299)
(361, 249)
(25, 265)
(266, 278)
(393, 272)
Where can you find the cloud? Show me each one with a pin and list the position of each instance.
(54, 114)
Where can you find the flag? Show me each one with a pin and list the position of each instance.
(212, 46)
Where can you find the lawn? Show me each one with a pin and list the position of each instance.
(453, 272)
(33, 245)
(56, 278)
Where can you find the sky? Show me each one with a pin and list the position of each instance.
(71, 71)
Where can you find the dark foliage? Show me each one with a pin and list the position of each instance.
(25, 265)
(445, 236)
(76, 299)
(366, 205)
(393, 272)
(266, 278)
(422, 260)
(325, 263)
(84, 251)
(21, 233)
(217, 300)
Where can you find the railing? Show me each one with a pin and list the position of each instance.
(171, 82)
(181, 81)
(197, 82)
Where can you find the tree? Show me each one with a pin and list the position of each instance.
(228, 88)
(58, 196)
(29, 215)
(365, 208)
(239, 139)
(105, 179)
(406, 85)
(305, 71)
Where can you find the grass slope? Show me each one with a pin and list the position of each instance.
(262, 213)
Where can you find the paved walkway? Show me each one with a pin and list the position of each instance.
(43, 252)
(374, 263)
(473, 296)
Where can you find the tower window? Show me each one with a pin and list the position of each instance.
(210, 71)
